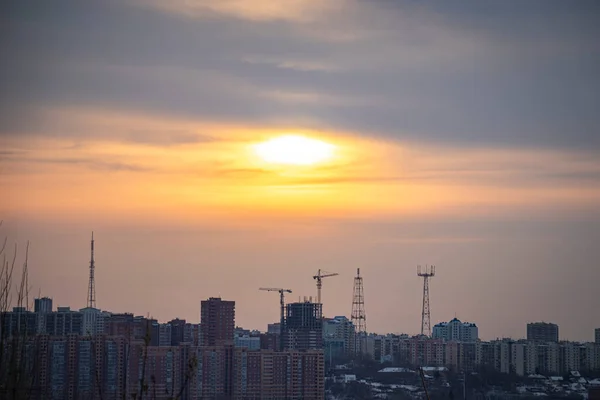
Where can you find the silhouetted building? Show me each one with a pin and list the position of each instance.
(64, 322)
(42, 305)
(542, 332)
(177, 330)
(154, 332)
(597, 335)
(192, 334)
(120, 325)
(269, 341)
(18, 322)
(274, 328)
(303, 326)
(217, 322)
(165, 334)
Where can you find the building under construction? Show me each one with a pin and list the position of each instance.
(303, 326)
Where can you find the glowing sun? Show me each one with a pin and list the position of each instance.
(294, 150)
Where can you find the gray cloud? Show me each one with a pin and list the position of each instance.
(91, 163)
(509, 74)
(166, 138)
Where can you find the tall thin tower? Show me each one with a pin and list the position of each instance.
(91, 302)
(426, 273)
(359, 318)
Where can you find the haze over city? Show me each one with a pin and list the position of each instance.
(216, 147)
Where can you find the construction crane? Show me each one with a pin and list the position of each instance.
(318, 277)
(282, 316)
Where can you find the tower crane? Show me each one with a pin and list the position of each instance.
(282, 304)
(318, 277)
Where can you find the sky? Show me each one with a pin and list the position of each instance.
(466, 136)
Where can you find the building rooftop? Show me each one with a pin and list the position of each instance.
(443, 324)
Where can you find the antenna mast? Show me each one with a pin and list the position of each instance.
(91, 302)
(359, 317)
(426, 273)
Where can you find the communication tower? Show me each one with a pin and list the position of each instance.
(426, 273)
(91, 302)
(359, 317)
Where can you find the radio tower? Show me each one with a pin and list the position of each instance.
(359, 318)
(91, 302)
(426, 273)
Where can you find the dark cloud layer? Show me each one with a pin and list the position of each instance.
(479, 73)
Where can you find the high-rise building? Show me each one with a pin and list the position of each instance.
(217, 322)
(93, 321)
(269, 341)
(42, 305)
(94, 367)
(64, 322)
(177, 330)
(120, 325)
(274, 328)
(285, 374)
(597, 336)
(18, 322)
(192, 334)
(542, 332)
(339, 328)
(216, 370)
(165, 334)
(456, 330)
(519, 358)
(303, 326)
(163, 371)
(334, 349)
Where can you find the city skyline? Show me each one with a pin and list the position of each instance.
(41, 302)
(71, 353)
(462, 136)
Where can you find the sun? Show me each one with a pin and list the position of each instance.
(294, 150)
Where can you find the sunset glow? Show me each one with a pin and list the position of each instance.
(215, 147)
(294, 150)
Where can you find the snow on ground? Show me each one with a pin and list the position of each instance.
(395, 369)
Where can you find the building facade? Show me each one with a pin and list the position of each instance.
(93, 321)
(455, 330)
(177, 331)
(217, 321)
(542, 332)
(339, 329)
(248, 342)
(279, 375)
(42, 305)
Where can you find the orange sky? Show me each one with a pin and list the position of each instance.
(173, 196)
(224, 174)
(464, 137)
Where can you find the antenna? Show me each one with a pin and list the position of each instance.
(426, 273)
(359, 317)
(91, 302)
